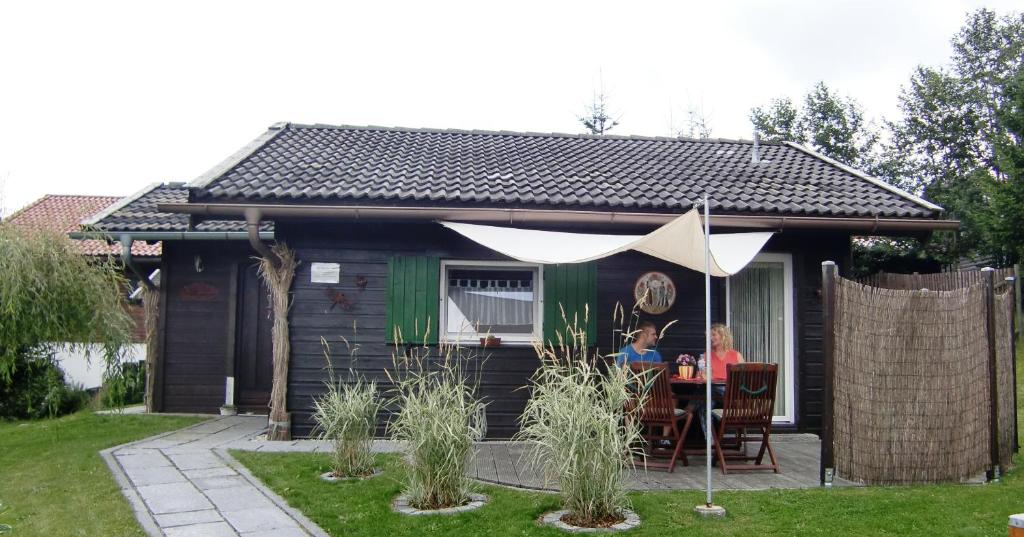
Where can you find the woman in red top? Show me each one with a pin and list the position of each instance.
(722, 353)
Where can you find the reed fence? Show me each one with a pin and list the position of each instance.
(942, 281)
(910, 378)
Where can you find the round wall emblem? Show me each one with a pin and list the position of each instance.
(654, 292)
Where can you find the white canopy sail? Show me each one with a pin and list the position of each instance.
(680, 241)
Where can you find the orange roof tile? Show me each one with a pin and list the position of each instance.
(63, 214)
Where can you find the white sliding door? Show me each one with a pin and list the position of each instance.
(760, 313)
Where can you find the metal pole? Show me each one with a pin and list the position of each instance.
(707, 344)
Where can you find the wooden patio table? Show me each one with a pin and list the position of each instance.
(688, 386)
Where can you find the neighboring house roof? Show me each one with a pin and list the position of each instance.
(138, 213)
(63, 214)
(376, 166)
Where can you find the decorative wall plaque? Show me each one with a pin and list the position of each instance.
(325, 273)
(198, 292)
(654, 292)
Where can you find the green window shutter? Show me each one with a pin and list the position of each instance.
(413, 298)
(574, 287)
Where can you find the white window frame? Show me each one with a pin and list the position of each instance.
(510, 339)
(787, 269)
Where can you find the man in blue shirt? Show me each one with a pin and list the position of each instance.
(641, 349)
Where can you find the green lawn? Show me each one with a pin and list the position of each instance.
(53, 481)
(363, 508)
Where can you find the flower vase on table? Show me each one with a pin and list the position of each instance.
(686, 364)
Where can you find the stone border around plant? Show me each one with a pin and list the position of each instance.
(401, 505)
(554, 519)
(326, 476)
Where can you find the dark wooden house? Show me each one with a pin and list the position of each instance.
(360, 205)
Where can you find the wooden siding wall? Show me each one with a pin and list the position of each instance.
(196, 330)
(194, 323)
(809, 250)
(363, 251)
(616, 277)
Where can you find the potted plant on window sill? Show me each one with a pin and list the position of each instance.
(490, 341)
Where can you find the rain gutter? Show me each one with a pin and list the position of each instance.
(126, 241)
(866, 225)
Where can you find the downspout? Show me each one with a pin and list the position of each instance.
(126, 258)
(252, 226)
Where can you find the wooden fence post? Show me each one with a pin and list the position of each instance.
(1017, 300)
(988, 278)
(828, 303)
(1014, 287)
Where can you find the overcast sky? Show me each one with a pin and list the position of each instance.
(105, 98)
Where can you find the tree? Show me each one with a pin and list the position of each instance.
(832, 125)
(51, 294)
(597, 117)
(835, 127)
(953, 121)
(779, 122)
(1003, 219)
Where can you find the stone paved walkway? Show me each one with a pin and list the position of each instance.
(184, 483)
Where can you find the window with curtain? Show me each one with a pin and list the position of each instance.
(757, 309)
(498, 299)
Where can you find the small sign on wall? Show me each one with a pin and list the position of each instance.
(325, 272)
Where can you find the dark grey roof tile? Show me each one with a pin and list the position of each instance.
(367, 165)
(139, 213)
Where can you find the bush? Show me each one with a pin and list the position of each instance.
(124, 383)
(576, 424)
(51, 293)
(37, 390)
(347, 416)
(439, 417)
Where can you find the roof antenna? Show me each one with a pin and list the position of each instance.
(755, 157)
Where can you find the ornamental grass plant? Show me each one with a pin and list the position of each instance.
(581, 434)
(346, 415)
(438, 418)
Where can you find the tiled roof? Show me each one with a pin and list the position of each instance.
(62, 214)
(442, 168)
(138, 213)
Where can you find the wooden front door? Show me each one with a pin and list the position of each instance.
(254, 360)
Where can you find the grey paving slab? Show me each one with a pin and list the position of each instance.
(200, 460)
(212, 529)
(223, 482)
(238, 498)
(188, 517)
(156, 475)
(151, 459)
(260, 519)
(173, 498)
(205, 473)
(281, 532)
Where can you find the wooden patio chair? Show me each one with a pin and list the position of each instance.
(749, 403)
(660, 418)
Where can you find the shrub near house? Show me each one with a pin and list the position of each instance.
(51, 293)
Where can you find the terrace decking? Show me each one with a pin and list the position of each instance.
(798, 455)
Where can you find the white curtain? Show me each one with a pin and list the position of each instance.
(757, 309)
(492, 303)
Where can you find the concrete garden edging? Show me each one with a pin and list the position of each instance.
(331, 478)
(401, 505)
(554, 519)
